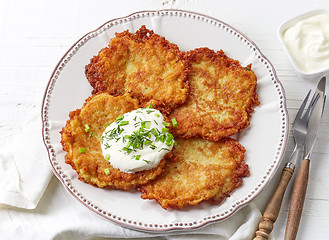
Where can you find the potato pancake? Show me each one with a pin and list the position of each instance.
(81, 141)
(205, 97)
(144, 64)
(200, 170)
(222, 96)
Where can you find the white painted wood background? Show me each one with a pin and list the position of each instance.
(35, 34)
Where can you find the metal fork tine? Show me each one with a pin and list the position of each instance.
(324, 103)
(311, 106)
(302, 107)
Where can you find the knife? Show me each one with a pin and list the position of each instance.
(300, 186)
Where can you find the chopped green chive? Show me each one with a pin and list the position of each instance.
(168, 143)
(150, 106)
(157, 114)
(155, 133)
(147, 142)
(149, 111)
(138, 157)
(146, 124)
(107, 171)
(123, 123)
(107, 145)
(152, 146)
(119, 118)
(165, 130)
(162, 138)
(107, 157)
(91, 135)
(163, 149)
(128, 145)
(169, 139)
(166, 124)
(147, 161)
(128, 150)
(174, 122)
(82, 150)
(87, 128)
(170, 136)
(112, 134)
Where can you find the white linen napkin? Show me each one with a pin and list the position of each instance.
(241, 226)
(24, 169)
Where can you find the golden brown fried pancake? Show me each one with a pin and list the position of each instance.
(200, 170)
(98, 111)
(143, 64)
(222, 96)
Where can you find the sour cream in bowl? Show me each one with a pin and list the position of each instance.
(306, 41)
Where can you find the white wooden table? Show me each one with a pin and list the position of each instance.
(35, 34)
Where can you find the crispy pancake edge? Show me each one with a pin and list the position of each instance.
(191, 125)
(90, 168)
(214, 192)
(143, 35)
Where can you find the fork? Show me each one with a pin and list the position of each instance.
(299, 133)
(299, 130)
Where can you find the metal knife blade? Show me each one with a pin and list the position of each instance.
(315, 118)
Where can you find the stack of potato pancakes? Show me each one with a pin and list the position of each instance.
(210, 95)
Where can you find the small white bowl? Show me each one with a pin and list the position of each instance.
(305, 74)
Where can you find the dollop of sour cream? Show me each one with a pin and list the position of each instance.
(137, 140)
(308, 42)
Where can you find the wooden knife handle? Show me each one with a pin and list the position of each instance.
(297, 200)
(273, 207)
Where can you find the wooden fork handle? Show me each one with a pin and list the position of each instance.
(297, 200)
(273, 207)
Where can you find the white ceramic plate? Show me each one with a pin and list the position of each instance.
(264, 139)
